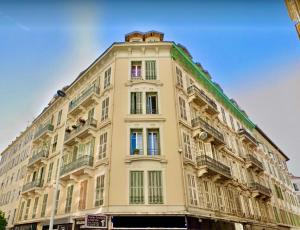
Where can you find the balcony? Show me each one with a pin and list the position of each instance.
(209, 166)
(217, 137)
(200, 98)
(43, 132)
(87, 97)
(78, 167)
(38, 158)
(32, 187)
(80, 131)
(247, 138)
(260, 191)
(253, 162)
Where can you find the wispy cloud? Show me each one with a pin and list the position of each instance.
(14, 21)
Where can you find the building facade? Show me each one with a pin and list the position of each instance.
(13, 167)
(149, 140)
(296, 184)
(293, 7)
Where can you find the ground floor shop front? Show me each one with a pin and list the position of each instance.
(146, 222)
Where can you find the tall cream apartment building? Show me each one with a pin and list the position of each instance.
(151, 142)
(13, 167)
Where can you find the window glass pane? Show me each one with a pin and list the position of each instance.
(153, 147)
(136, 141)
(151, 103)
(136, 69)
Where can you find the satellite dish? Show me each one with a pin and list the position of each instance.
(203, 135)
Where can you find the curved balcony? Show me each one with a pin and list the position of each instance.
(211, 167)
(80, 131)
(87, 97)
(32, 187)
(217, 137)
(43, 132)
(78, 167)
(200, 98)
(38, 158)
(260, 191)
(247, 138)
(254, 163)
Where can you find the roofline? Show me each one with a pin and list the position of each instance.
(49, 106)
(27, 129)
(76, 79)
(86, 69)
(271, 142)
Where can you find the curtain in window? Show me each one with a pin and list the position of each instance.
(152, 103)
(136, 142)
(153, 142)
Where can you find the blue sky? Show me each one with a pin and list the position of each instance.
(249, 47)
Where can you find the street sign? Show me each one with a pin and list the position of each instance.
(96, 221)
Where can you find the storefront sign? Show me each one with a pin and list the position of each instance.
(96, 221)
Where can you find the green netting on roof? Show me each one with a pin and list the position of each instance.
(178, 54)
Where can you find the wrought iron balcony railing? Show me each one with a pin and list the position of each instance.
(261, 189)
(247, 136)
(40, 155)
(198, 121)
(80, 128)
(46, 128)
(200, 93)
(214, 165)
(85, 94)
(82, 161)
(255, 161)
(32, 185)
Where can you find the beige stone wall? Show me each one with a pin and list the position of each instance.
(218, 186)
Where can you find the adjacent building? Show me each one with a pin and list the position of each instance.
(149, 140)
(293, 7)
(13, 167)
